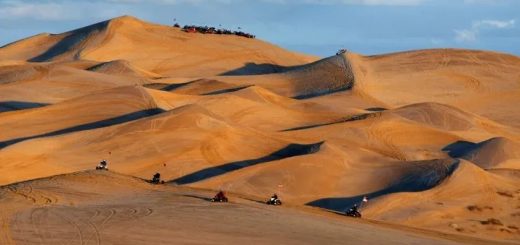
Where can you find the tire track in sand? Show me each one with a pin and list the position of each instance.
(5, 231)
(74, 225)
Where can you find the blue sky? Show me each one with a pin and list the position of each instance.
(317, 27)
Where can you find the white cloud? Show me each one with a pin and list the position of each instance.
(350, 2)
(320, 2)
(168, 2)
(484, 1)
(42, 11)
(437, 41)
(51, 10)
(496, 23)
(466, 35)
(383, 2)
(471, 34)
(74, 10)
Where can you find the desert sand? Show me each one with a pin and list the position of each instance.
(431, 137)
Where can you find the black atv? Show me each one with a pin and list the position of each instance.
(217, 199)
(353, 213)
(156, 179)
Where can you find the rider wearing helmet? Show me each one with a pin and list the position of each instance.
(102, 165)
(274, 197)
(156, 178)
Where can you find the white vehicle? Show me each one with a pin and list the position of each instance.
(103, 165)
(341, 51)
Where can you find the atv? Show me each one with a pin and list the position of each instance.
(353, 213)
(273, 201)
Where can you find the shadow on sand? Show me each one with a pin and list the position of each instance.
(460, 148)
(198, 197)
(251, 68)
(421, 177)
(286, 152)
(6, 106)
(228, 90)
(68, 43)
(93, 125)
(167, 86)
(343, 120)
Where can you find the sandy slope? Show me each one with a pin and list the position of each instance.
(98, 207)
(482, 82)
(485, 196)
(156, 48)
(431, 137)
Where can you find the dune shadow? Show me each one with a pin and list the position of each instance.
(251, 68)
(343, 120)
(459, 148)
(228, 90)
(376, 109)
(68, 43)
(171, 87)
(425, 177)
(286, 152)
(198, 197)
(254, 200)
(168, 87)
(88, 126)
(6, 106)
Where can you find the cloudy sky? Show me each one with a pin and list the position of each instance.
(313, 26)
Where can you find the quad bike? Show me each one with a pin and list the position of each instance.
(341, 51)
(103, 165)
(156, 181)
(353, 213)
(221, 199)
(273, 201)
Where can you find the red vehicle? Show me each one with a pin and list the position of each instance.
(191, 30)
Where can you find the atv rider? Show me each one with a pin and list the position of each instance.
(341, 51)
(220, 197)
(353, 212)
(274, 198)
(353, 209)
(156, 178)
(103, 165)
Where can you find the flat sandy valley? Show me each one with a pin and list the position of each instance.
(430, 137)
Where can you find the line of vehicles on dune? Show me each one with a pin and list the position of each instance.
(221, 197)
(213, 30)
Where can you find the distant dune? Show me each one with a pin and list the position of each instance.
(431, 137)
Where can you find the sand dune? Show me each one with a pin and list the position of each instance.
(156, 48)
(111, 204)
(121, 104)
(469, 80)
(492, 153)
(432, 138)
(189, 124)
(55, 83)
(121, 67)
(464, 203)
(325, 76)
(19, 73)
